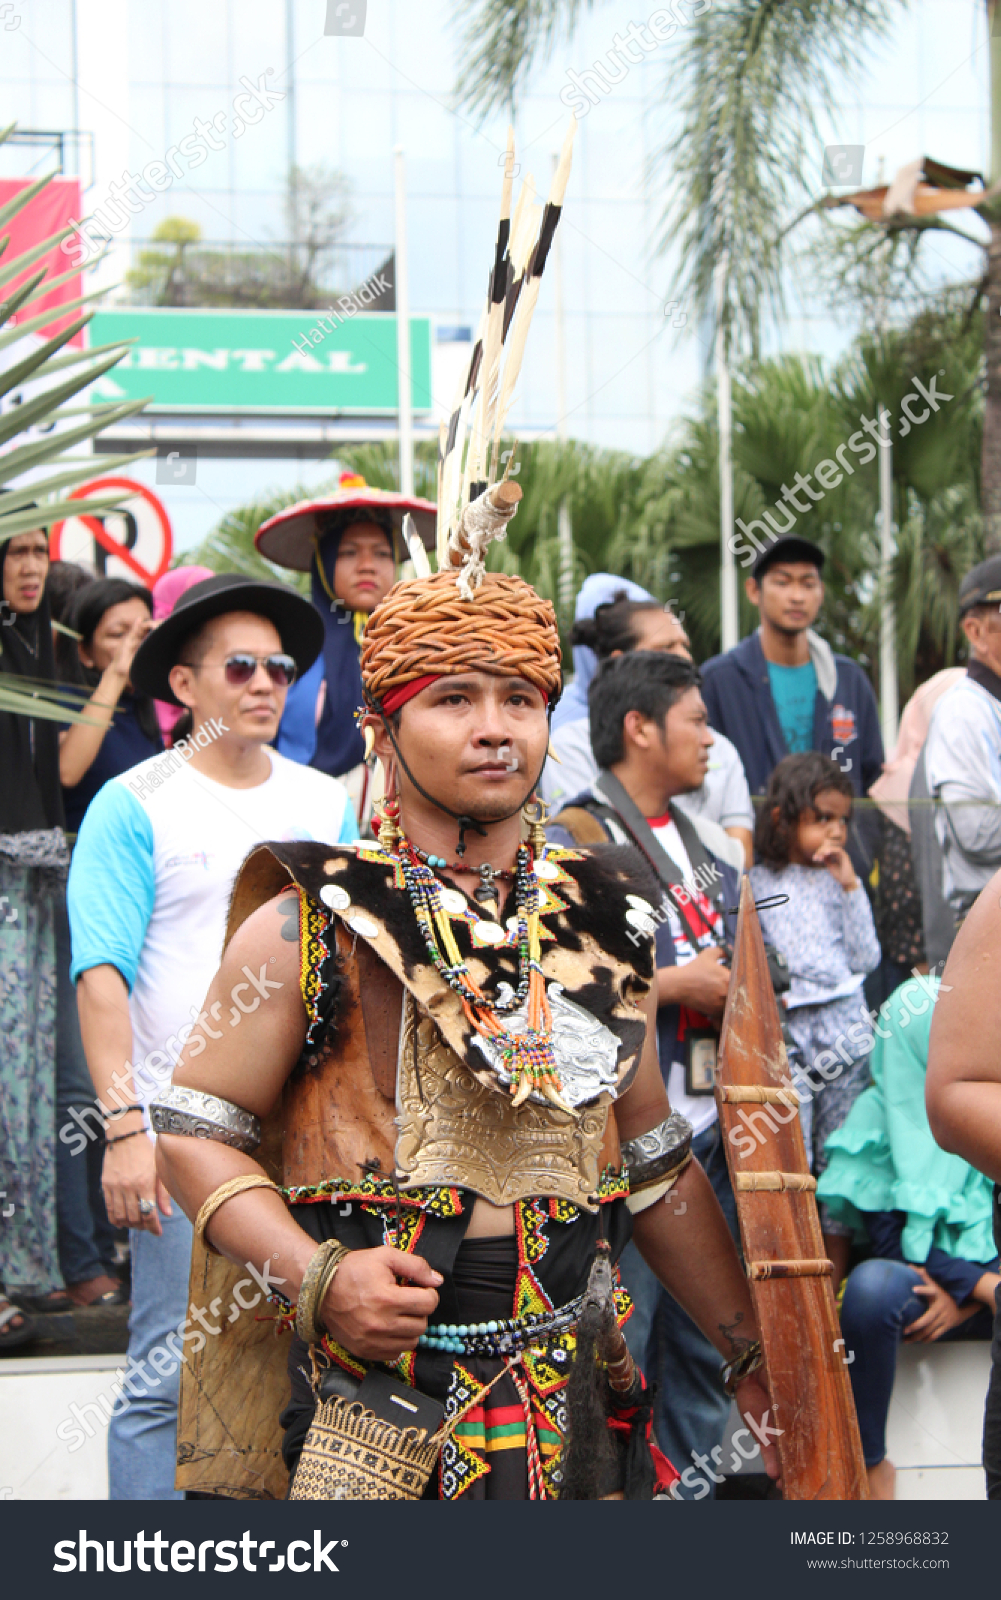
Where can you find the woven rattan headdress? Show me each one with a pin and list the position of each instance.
(464, 617)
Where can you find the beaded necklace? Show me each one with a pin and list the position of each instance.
(528, 1056)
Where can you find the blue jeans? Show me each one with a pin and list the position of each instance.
(86, 1237)
(142, 1438)
(691, 1408)
(879, 1304)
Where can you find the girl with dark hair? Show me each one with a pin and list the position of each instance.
(112, 617)
(823, 926)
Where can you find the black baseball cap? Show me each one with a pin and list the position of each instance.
(789, 548)
(982, 585)
(299, 625)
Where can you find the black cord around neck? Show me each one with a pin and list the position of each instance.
(466, 823)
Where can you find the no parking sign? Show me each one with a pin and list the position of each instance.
(132, 541)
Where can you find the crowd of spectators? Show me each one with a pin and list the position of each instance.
(768, 760)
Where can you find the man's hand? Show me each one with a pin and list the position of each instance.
(703, 983)
(370, 1313)
(128, 1176)
(754, 1401)
(942, 1314)
(838, 863)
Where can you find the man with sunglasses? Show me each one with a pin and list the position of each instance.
(152, 872)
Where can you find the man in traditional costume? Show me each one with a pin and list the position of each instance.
(463, 1055)
(453, 1093)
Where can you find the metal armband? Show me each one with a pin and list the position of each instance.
(655, 1155)
(204, 1116)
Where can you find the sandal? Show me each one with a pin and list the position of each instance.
(101, 1291)
(54, 1304)
(11, 1337)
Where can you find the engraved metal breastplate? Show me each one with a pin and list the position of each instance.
(454, 1130)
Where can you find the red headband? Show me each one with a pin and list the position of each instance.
(399, 697)
(406, 691)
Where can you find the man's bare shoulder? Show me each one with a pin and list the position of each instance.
(270, 937)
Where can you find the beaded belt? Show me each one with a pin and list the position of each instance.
(500, 1337)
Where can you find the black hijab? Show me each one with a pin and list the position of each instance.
(30, 792)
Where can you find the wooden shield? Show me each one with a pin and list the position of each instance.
(807, 1363)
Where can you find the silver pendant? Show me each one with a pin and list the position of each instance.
(586, 1052)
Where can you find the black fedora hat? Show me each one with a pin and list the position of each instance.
(299, 625)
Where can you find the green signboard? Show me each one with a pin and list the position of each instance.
(283, 362)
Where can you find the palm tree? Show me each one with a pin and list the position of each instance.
(44, 501)
(793, 413)
(747, 79)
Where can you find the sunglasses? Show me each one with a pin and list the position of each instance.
(240, 668)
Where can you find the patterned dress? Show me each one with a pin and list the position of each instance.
(29, 1259)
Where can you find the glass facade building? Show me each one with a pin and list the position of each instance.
(139, 78)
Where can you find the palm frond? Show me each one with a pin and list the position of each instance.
(749, 80)
(501, 41)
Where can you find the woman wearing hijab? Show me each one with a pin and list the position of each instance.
(349, 543)
(33, 862)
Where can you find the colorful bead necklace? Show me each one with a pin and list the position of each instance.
(528, 1057)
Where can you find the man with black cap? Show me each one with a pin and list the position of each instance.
(783, 689)
(962, 754)
(149, 888)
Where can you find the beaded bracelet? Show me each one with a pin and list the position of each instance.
(121, 1138)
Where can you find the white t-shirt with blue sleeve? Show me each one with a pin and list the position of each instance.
(150, 882)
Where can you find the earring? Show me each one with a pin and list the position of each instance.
(387, 813)
(536, 815)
